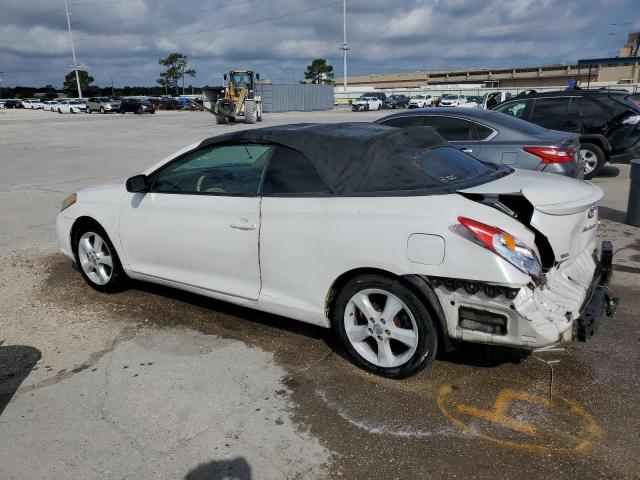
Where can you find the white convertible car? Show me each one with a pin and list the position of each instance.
(401, 242)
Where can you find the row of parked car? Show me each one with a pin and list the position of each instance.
(571, 132)
(380, 100)
(85, 105)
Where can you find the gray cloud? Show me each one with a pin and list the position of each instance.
(123, 39)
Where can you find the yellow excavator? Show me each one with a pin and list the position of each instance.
(237, 99)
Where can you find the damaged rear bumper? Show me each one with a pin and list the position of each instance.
(569, 306)
(599, 300)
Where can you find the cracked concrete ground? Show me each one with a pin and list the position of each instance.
(156, 383)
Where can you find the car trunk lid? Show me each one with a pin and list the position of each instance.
(563, 214)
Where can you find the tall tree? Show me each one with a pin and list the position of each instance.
(176, 64)
(70, 86)
(319, 71)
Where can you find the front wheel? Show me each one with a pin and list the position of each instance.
(97, 259)
(384, 326)
(593, 158)
(102, 110)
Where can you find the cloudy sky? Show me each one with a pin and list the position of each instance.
(123, 39)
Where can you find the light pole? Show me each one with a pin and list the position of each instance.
(344, 46)
(73, 52)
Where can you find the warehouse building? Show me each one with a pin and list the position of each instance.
(595, 72)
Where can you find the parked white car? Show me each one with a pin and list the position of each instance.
(50, 105)
(421, 101)
(33, 104)
(396, 239)
(471, 102)
(366, 103)
(70, 106)
(452, 100)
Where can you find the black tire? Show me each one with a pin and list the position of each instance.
(222, 119)
(118, 279)
(601, 159)
(139, 111)
(102, 110)
(250, 113)
(427, 332)
(88, 110)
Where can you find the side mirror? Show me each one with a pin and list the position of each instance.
(138, 184)
(257, 76)
(225, 77)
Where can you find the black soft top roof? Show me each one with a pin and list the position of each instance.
(351, 157)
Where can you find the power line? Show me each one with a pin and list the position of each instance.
(226, 27)
(170, 15)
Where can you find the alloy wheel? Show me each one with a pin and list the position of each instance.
(381, 328)
(589, 159)
(95, 258)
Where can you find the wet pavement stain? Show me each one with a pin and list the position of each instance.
(415, 428)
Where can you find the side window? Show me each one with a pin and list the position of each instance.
(515, 109)
(550, 107)
(593, 113)
(290, 172)
(483, 132)
(402, 122)
(452, 129)
(218, 169)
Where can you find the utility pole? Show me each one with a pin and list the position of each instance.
(112, 94)
(183, 92)
(73, 52)
(344, 46)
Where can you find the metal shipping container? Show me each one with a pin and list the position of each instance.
(295, 97)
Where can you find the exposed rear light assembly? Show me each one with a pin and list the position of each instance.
(504, 245)
(551, 154)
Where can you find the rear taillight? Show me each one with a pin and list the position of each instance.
(504, 245)
(551, 154)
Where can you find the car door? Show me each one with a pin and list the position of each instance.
(198, 224)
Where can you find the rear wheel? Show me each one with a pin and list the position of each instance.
(593, 158)
(384, 326)
(97, 259)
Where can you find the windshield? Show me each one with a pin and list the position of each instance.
(419, 97)
(450, 97)
(241, 79)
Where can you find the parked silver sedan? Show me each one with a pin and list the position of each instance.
(498, 138)
(102, 105)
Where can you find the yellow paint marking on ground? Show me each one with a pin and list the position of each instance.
(499, 416)
(499, 413)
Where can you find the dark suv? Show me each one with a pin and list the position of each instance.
(396, 101)
(136, 106)
(607, 121)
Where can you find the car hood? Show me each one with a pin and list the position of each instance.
(547, 192)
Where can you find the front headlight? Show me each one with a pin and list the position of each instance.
(67, 202)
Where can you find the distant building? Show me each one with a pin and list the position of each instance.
(592, 71)
(595, 72)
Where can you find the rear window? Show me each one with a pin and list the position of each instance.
(448, 165)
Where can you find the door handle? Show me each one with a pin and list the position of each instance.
(467, 150)
(243, 224)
